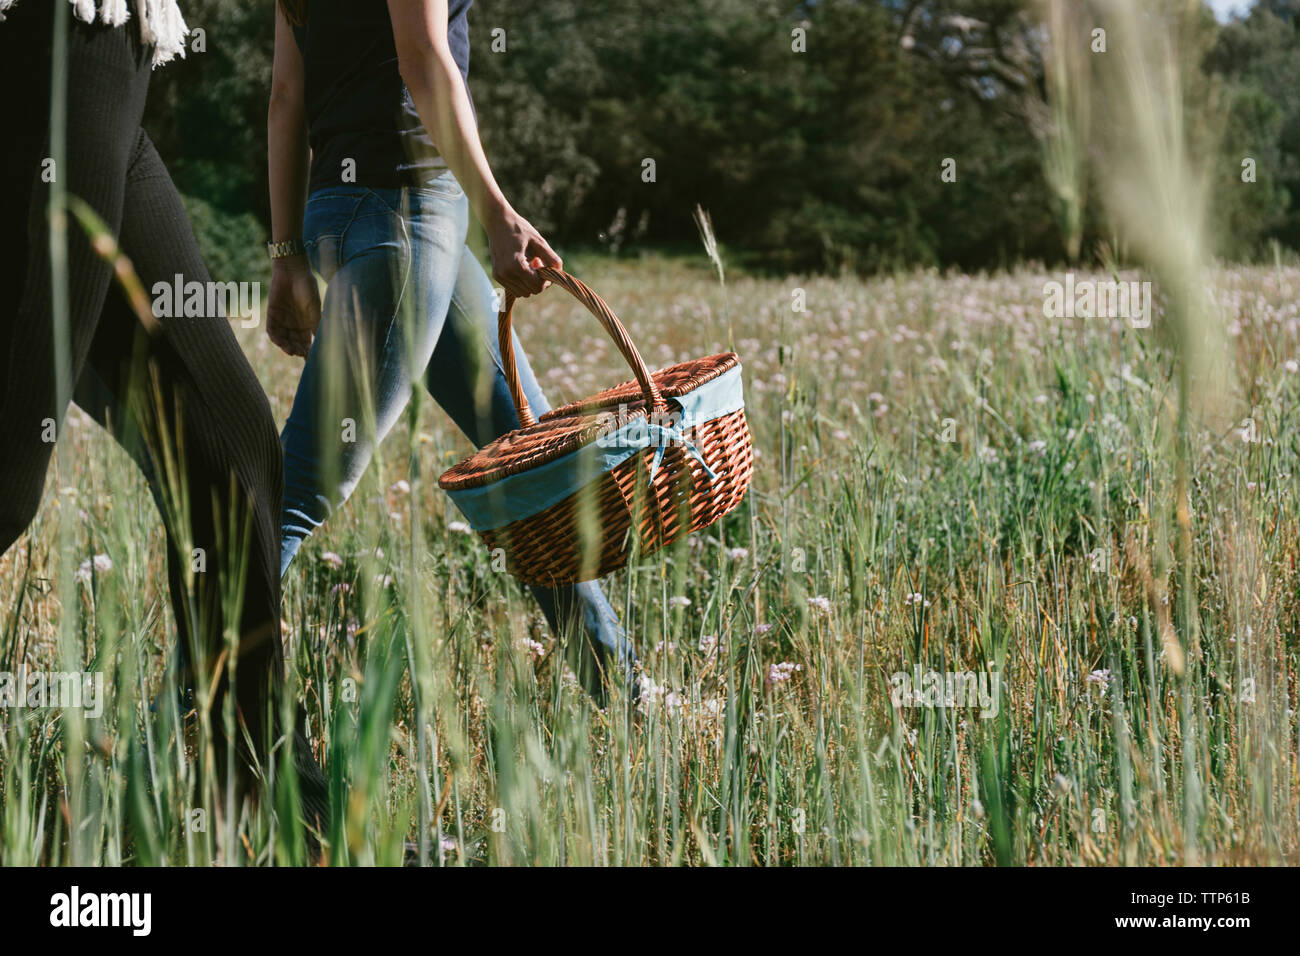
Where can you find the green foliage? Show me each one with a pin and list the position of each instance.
(207, 112)
(1260, 57)
(232, 243)
(826, 159)
(1033, 539)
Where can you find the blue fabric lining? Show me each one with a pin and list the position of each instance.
(521, 496)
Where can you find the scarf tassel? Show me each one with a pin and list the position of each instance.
(161, 23)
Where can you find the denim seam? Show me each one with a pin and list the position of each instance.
(317, 239)
(406, 278)
(384, 202)
(495, 353)
(343, 236)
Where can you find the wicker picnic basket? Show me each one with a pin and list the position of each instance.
(566, 498)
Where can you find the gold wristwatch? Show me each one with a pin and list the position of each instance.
(285, 247)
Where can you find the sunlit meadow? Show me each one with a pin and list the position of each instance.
(946, 479)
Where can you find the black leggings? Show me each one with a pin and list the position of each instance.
(184, 402)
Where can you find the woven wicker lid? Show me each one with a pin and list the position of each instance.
(673, 381)
(566, 429)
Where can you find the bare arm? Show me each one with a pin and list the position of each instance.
(286, 135)
(430, 73)
(293, 307)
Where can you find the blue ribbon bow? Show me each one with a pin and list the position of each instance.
(673, 433)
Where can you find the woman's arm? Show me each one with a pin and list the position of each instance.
(293, 307)
(430, 73)
(286, 135)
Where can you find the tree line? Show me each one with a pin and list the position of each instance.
(829, 135)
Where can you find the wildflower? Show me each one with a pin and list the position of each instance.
(820, 605)
(761, 629)
(384, 580)
(780, 673)
(708, 644)
(401, 486)
(651, 692)
(332, 559)
(1101, 678)
(679, 600)
(532, 647)
(916, 598)
(1291, 365)
(738, 554)
(99, 564)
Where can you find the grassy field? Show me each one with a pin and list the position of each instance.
(946, 481)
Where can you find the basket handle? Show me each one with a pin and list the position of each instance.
(596, 305)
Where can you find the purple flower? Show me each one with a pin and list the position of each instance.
(780, 673)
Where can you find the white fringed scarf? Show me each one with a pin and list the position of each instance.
(161, 23)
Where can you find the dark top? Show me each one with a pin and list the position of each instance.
(358, 108)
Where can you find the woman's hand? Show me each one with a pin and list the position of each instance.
(293, 308)
(438, 90)
(518, 250)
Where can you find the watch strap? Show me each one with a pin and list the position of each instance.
(284, 248)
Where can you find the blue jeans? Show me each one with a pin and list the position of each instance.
(406, 299)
